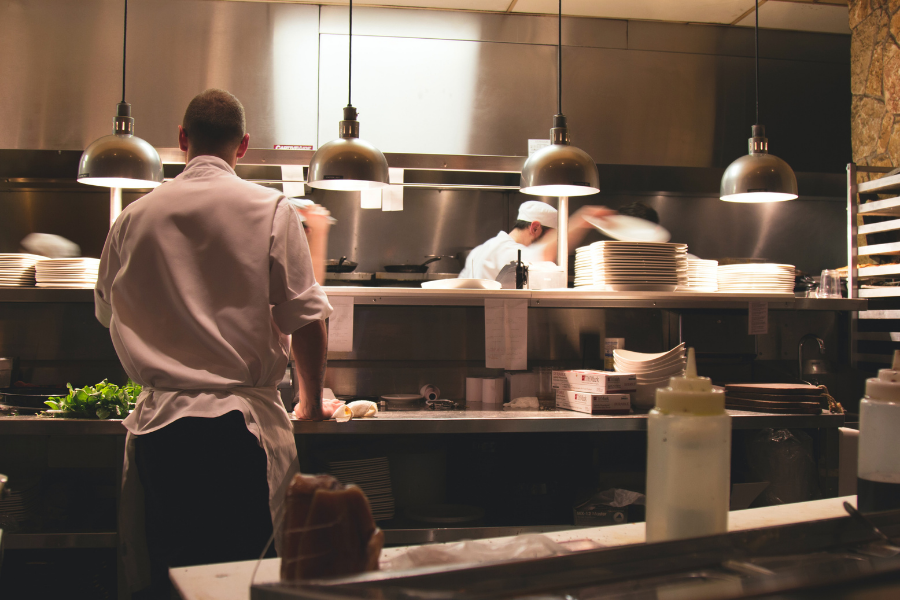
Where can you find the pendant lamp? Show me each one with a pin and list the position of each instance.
(348, 163)
(121, 160)
(560, 169)
(758, 176)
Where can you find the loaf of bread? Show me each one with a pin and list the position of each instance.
(328, 530)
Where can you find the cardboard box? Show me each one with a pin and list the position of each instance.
(594, 404)
(595, 382)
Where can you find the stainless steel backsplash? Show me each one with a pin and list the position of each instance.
(424, 81)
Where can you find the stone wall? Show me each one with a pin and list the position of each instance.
(875, 82)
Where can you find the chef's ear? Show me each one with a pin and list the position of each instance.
(242, 147)
(182, 139)
(535, 229)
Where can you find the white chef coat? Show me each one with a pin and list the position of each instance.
(486, 261)
(201, 283)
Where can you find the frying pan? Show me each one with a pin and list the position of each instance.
(341, 265)
(423, 268)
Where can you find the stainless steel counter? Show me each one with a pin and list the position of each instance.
(571, 298)
(440, 422)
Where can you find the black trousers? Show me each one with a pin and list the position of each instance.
(206, 495)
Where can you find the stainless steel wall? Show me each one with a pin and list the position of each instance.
(440, 82)
(425, 81)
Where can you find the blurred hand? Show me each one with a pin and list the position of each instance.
(318, 218)
(577, 220)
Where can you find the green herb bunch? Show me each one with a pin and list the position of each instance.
(102, 401)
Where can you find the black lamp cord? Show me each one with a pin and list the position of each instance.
(350, 60)
(756, 33)
(559, 62)
(124, 46)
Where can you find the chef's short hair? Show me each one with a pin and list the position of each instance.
(641, 211)
(214, 122)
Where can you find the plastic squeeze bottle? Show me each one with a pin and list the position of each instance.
(878, 486)
(688, 459)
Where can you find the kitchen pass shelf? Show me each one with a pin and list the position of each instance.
(570, 298)
(486, 419)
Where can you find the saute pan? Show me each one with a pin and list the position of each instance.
(423, 268)
(341, 265)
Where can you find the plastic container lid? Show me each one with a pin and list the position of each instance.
(690, 394)
(887, 385)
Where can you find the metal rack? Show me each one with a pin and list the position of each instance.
(872, 331)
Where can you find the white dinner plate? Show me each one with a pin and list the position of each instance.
(629, 229)
(462, 284)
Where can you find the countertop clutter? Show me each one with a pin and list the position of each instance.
(231, 581)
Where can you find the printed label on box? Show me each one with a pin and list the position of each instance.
(597, 382)
(593, 403)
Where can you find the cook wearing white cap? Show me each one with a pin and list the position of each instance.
(534, 233)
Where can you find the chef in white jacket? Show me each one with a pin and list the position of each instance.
(201, 282)
(534, 234)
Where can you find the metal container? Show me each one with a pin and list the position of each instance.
(7, 371)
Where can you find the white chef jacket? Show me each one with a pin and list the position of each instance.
(486, 261)
(201, 282)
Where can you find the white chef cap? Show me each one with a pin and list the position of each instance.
(538, 211)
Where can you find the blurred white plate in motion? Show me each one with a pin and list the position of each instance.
(629, 229)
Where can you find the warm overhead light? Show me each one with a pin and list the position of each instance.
(121, 160)
(559, 169)
(348, 163)
(758, 176)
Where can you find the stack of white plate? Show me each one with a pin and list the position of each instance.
(756, 277)
(17, 270)
(67, 272)
(373, 476)
(631, 266)
(652, 371)
(20, 505)
(702, 275)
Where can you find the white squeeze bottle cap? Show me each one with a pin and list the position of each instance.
(691, 393)
(887, 385)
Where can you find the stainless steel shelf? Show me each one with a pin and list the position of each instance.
(882, 185)
(397, 160)
(31, 541)
(876, 227)
(445, 422)
(554, 421)
(572, 298)
(878, 270)
(880, 292)
(890, 248)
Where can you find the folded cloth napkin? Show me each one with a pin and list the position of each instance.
(342, 413)
(362, 408)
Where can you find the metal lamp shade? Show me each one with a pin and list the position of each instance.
(560, 170)
(122, 161)
(758, 177)
(348, 164)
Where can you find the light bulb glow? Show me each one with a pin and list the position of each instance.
(347, 185)
(120, 182)
(759, 197)
(559, 190)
